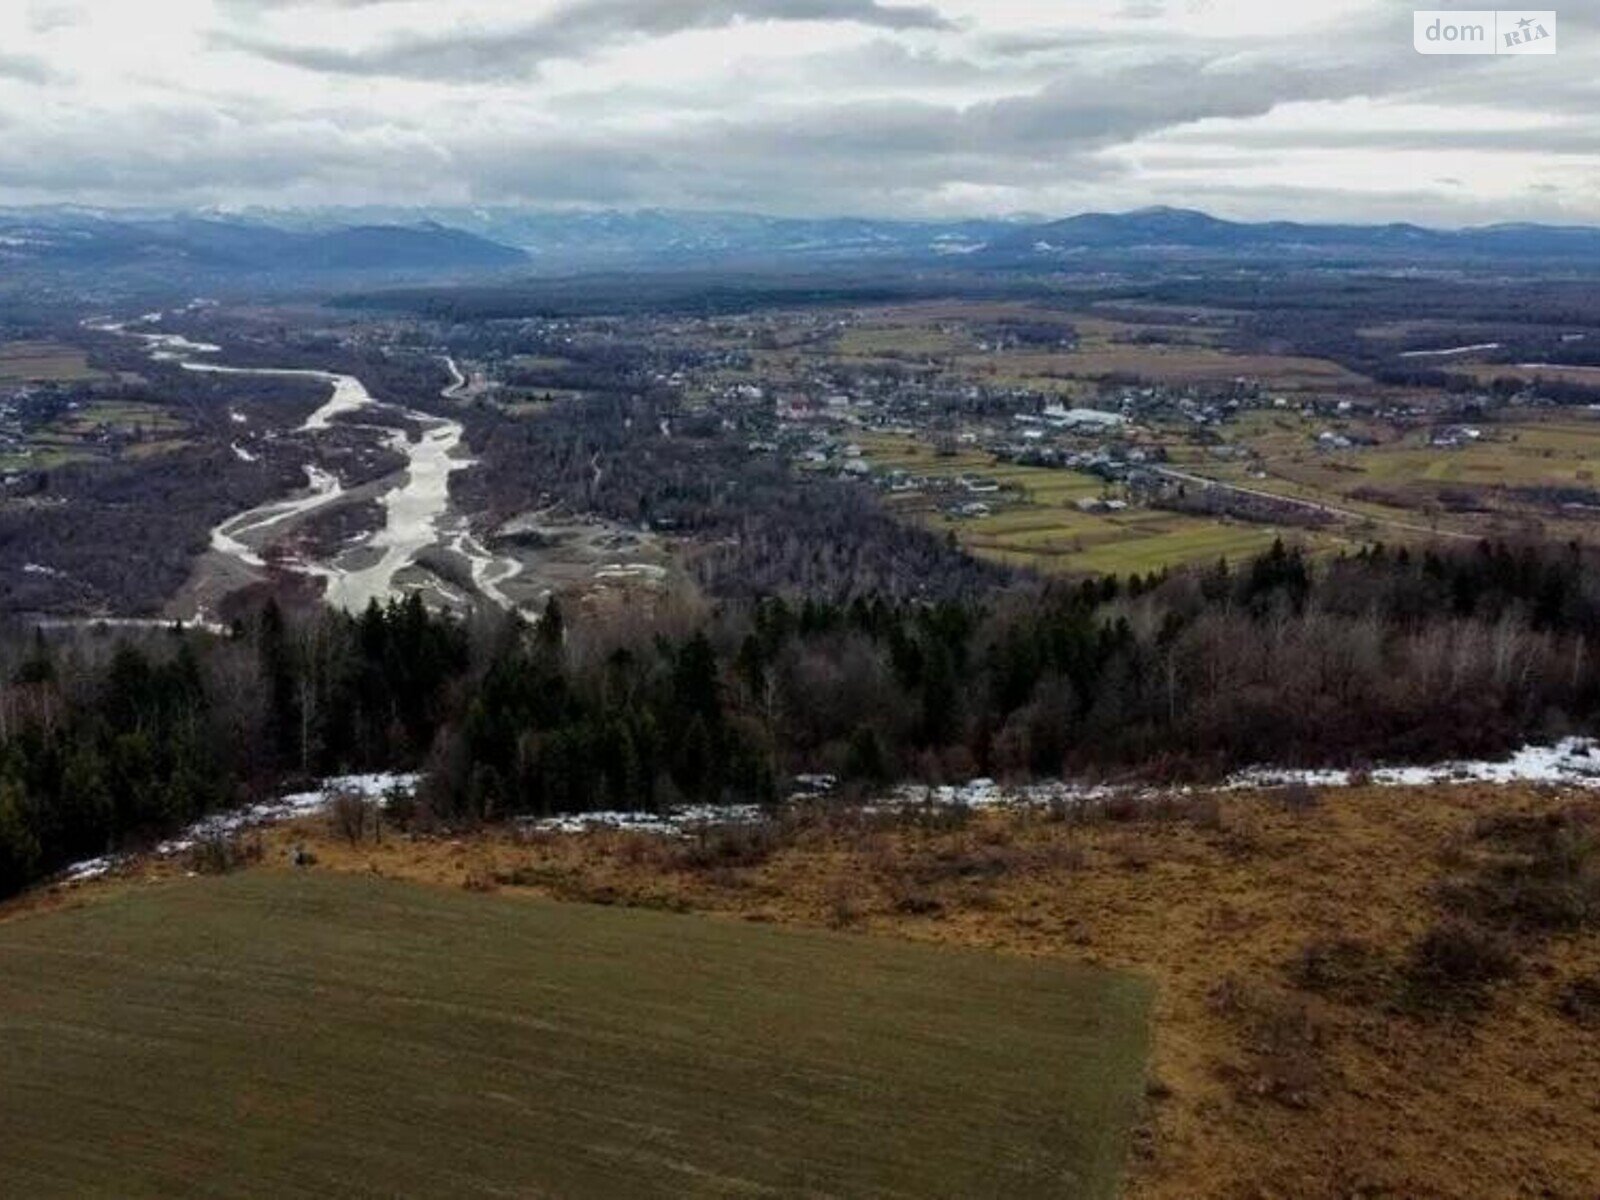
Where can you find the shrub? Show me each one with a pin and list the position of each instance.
(479, 879)
(914, 902)
(964, 863)
(1135, 853)
(400, 807)
(1580, 1001)
(1058, 810)
(723, 846)
(1548, 877)
(843, 909)
(1452, 966)
(1205, 812)
(931, 817)
(1061, 854)
(1123, 808)
(529, 875)
(351, 814)
(1297, 797)
(1342, 969)
(1281, 1038)
(219, 853)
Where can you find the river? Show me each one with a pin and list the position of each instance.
(415, 501)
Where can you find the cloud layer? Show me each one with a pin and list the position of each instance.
(950, 107)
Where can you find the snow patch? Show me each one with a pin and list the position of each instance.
(1450, 350)
(255, 816)
(1571, 762)
(676, 821)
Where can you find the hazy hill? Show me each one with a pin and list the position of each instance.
(260, 246)
(1187, 232)
(67, 240)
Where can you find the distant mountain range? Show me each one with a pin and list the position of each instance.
(194, 244)
(321, 244)
(659, 237)
(611, 238)
(1155, 230)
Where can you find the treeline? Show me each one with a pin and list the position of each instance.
(1379, 656)
(109, 742)
(1382, 655)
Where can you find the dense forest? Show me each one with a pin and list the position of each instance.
(106, 742)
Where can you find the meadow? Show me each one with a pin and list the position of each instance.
(1490, 485)
(1189, 350)
(1281, 929)
(99, 430)
(1036, 522)
(43, 362)
(274, 1033)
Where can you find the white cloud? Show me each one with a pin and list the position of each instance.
(868, 106)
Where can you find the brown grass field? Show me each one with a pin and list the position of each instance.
(1261, 1086)
(1188, 350)
(43, 362)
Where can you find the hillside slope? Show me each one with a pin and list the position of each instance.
(280, 1033)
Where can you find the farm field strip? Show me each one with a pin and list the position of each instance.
(273, 1032)
(44, 362)
(1401, 485)
(1047, 531)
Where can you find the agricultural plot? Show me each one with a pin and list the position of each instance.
(1140, 542)
(1037, 522)
(1179, 364)
(271, 1033)
(98, 431)
(128, 418)
(1175, 354)
(1515, 473)
(43, 362)
(896, 341)
(955, 337)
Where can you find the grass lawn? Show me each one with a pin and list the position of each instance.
(271, 1033)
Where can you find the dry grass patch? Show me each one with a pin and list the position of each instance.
(1282, 932)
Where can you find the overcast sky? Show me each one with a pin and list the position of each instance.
(824, 107)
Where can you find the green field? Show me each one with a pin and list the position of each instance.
(98, 430)
(1038, 524)
(272, 1034)
(1404, 480)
